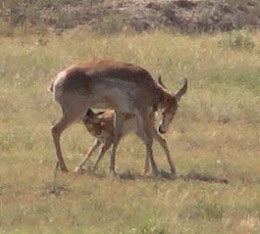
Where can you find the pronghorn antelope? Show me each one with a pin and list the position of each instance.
(123, 87)
(101, 126)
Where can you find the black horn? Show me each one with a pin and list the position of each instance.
(160, 82)
(182, 91)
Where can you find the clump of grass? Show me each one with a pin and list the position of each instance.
(154, 230)
(56, 187)
(150, 226)
(111, 24)
(210, 210)
(6, 29)
(241, 39)
(202, 209)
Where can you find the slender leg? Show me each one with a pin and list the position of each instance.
(104, 149)
(57, 129)
(164, 145)
(94, 147)
(149, 153)
(70, 114)
(145, 122)
(147, 164)
(118, 123)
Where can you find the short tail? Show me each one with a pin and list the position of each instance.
(50, 88)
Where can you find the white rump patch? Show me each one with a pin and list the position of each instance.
(60, 78)
(58, 84)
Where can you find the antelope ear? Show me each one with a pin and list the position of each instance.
(160, 82)
(182, 91)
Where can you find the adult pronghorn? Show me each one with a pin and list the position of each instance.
(123, 87)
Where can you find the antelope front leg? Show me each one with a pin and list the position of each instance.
(146, 166)
(145, 124)
(95, 146)
(149, 154)
(165, 147)
(147, 163)
(118, 123)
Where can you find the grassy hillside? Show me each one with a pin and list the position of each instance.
(109, 16)
(214, 135)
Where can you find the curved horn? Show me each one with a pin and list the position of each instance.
(182, 91)
(160, 82)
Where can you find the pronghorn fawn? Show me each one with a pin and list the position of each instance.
(123, 87)
(101, 126)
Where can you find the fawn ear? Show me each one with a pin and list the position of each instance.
(182, 91)
(90, 114)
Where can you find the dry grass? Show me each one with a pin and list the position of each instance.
(215, 135)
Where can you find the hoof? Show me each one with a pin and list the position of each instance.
(94, 169)
(112, 173)
(79, 170)
(64, 169)
(169, 176)
(173, 171)
(157, 174)
(173, 176)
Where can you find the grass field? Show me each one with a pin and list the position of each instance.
(214, 135)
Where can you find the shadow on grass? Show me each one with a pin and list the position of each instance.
(204, 178)
(128, 175)
(164, 176)
(192, 176)
(58, 188)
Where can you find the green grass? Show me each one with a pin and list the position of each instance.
(214, 135)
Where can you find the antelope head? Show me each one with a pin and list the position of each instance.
(170, 106)
(92, 117)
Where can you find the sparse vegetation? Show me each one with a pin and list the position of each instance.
(108, 17)
(215, 135)
(239, 40)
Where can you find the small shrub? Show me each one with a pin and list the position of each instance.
(6, 30)
(109, 25)
(150, 229)
(238, 40)
(210, 210)
(202, 210)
